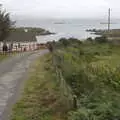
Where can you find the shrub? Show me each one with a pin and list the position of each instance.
(90, 39)
(102, 39)
(75, 40)
(64, 42)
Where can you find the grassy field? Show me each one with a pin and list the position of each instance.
(41, 99)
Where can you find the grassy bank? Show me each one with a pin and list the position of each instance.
(41, 99)
(91, 69)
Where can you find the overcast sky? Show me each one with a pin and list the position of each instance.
(62, 8)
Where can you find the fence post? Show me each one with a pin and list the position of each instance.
(74, 101)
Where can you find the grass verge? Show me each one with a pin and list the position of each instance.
(41, 99)
(2, 57)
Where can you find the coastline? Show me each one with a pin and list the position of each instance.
(110, 33)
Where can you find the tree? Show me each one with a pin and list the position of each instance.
(64, 42)
(5, 24)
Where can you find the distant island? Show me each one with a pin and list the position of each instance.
(63, 22)
(59, 23)
(107, 23)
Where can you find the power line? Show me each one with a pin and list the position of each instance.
(109, 19)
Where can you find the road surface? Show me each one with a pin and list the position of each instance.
(13, 72)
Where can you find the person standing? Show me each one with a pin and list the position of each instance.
(10, 47)
(5, 48)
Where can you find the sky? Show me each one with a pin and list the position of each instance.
(62, 8)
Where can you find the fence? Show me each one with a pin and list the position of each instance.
(66, 91)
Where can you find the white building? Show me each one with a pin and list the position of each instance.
(21, 41)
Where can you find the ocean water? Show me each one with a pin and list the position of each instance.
(69, 28)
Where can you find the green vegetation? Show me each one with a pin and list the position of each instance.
(78, 81)
(2, 57)
(5, 24)
(92, 72)
(36, 31)
(41, 98)
(102, 39)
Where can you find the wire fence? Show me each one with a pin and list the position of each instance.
(66, 91)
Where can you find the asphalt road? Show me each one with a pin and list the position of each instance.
(13, 73)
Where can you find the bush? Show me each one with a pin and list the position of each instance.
(90, 39)
(104, 112)
(102, 39)
(71, 41)
(75, 40)
(64, 42)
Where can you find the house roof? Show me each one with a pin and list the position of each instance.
(21, 37)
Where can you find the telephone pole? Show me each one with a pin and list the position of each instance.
(109, 17)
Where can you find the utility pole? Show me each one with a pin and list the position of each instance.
(109, 21)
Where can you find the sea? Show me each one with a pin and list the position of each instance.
(66, 28)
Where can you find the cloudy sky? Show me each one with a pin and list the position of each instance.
(62, 8)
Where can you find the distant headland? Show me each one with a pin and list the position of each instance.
(34, 30)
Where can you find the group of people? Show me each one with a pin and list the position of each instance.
(8, 48)
(17, 47)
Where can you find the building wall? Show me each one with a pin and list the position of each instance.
(29, 46)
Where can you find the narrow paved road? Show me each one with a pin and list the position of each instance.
(12, 74)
